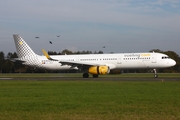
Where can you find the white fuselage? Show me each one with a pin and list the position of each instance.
(114, 61)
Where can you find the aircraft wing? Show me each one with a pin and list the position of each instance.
(72, 63)
(79, 64)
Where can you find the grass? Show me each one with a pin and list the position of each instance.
(89, 100)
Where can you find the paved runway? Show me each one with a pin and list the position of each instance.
(94, 79)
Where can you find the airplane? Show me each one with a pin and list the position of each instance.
(95, 64)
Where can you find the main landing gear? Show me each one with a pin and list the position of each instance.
(155, 73)
(86, 75)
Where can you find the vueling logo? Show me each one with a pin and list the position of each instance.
(21, 43)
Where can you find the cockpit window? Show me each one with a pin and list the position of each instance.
(165, 57)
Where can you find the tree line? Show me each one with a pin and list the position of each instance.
(7, 66)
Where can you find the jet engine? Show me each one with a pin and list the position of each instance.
(99, 70)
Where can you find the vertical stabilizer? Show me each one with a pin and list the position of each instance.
(25, 53)
(23, 49)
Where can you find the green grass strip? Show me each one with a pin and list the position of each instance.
(80, 100)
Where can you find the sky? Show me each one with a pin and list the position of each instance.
(120, 25)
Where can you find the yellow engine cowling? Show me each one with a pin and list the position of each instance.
(99, 70)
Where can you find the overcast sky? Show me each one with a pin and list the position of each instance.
(120, 25)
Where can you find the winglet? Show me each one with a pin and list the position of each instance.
(47, 55)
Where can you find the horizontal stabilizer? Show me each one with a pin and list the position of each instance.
(16, 60)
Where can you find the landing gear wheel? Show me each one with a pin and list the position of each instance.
(85, 75)
(155, 75)
(95, 76)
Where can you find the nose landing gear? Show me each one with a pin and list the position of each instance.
(155, 73)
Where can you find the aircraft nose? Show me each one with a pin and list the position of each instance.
(173, 62)
(170, 63)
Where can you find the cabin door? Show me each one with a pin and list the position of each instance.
(119, 60)
(153, 58)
